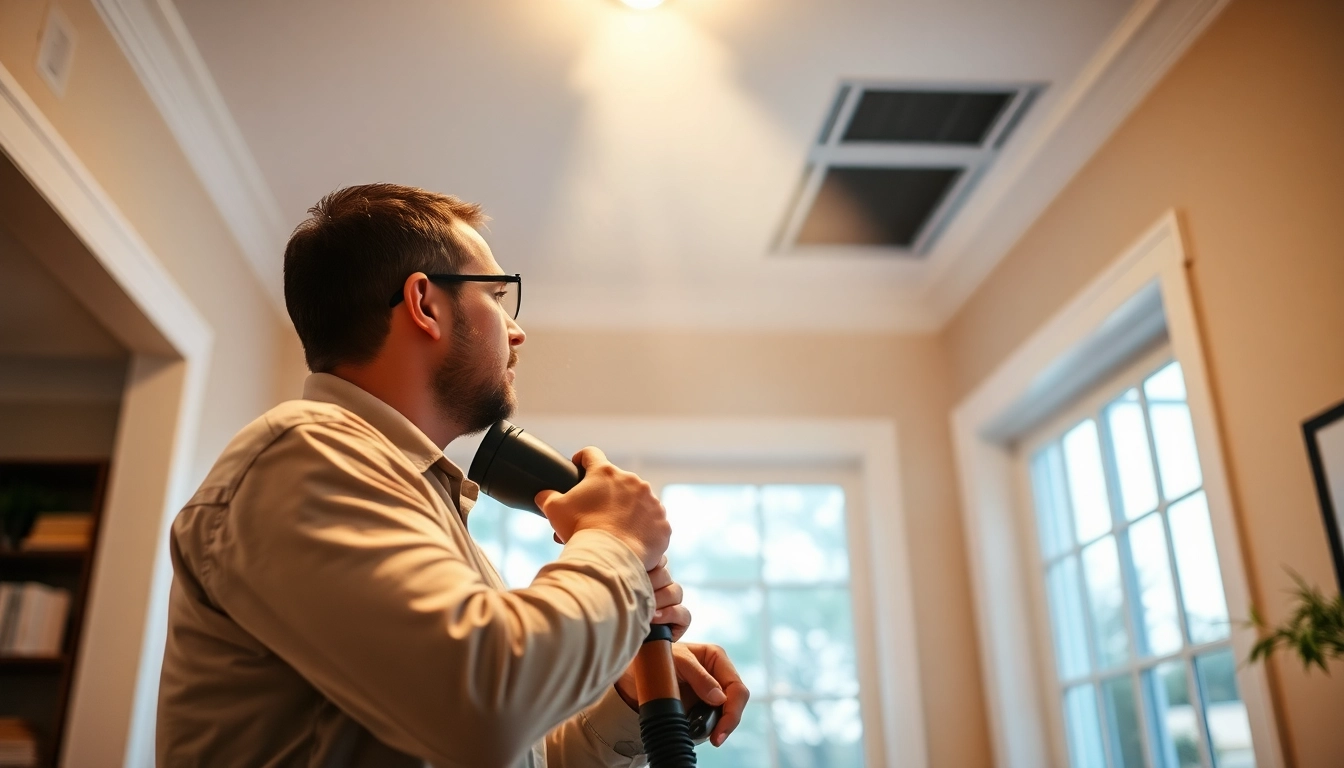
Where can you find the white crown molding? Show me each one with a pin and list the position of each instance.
(154, 38)
(1148, 41)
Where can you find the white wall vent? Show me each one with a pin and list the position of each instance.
(56, 52)
(895, 161)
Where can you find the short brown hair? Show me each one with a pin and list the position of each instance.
(355, 251)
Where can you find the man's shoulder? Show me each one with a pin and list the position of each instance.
(298, 421)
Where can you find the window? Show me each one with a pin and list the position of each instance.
(1137, 617)
(767, 574)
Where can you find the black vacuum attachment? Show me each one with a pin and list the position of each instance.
(512, 467)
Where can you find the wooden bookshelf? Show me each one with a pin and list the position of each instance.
(37, 689)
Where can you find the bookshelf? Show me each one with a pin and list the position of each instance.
(37, 689)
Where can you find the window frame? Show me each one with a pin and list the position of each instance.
(1093, 406)
(1143, 295)
(869, 445)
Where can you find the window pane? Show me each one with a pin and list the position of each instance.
(1101, 566)
(1122, 722)
(1175, 732)
(747, 747)
(731, 618)
(1177, 458)
(1052, 502)
(1224, 713)
(1197, 568)
(485, 523)
(819, 734)
(1087, 484)
(812, 642)
(1133, 462)
(1166, 384)
(805, 535)
(716, 535)
(1084, 728)
(1161, 626)
(1066, 614)
(531, 545)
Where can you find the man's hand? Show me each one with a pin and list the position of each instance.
(707, 675)
(613, 500)
(667, 605)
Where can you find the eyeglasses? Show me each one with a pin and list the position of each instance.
(509, 295)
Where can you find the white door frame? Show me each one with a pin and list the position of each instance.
(869, 444)
(116, 275)
(1044, 372)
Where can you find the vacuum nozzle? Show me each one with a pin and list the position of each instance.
(512, 467)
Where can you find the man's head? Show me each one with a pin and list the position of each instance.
(451, 341)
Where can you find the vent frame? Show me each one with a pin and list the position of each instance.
(831, 150)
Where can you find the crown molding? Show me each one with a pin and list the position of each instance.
(155, 40)
(1141, 50)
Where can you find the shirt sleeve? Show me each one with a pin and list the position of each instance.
(334, 557)
(605, 735)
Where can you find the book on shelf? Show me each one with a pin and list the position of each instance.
(32, 618)
(59, 531)
(18, 744)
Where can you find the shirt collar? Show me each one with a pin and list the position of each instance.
(414, 444)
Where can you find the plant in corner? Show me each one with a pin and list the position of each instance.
(1314, 632)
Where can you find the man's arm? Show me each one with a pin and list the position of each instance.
(331, 557)
(603, 735)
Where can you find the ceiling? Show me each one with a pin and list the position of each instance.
(638, 165)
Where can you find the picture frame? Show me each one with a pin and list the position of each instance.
(1324, 434)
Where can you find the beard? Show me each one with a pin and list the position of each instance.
(470, 395)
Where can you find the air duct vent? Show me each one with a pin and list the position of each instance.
(895, 162)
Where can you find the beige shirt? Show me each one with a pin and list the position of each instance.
(329, 608)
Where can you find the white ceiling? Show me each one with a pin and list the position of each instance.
(638, 164)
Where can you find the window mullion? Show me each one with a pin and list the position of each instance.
(1093, 652)
(767, 656)
(1129, 578)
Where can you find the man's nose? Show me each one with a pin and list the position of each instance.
(516, 334)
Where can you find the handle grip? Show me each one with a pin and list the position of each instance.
(663, 726)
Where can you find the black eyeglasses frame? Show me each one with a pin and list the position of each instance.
(442, 278)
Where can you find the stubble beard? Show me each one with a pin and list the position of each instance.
(468, 395)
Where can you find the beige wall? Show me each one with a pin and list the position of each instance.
(1245, 138)
(117, 133)
(112, 125)
(904, 379)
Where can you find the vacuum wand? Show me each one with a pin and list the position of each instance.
(512, 467)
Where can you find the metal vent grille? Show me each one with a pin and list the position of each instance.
(926, 117)
(894, 162)
(875, 206)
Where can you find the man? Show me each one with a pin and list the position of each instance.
(328, 606)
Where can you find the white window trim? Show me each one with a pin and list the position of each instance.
(1145, 292)
(869, 444)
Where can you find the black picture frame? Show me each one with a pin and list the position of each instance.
(1324, 434)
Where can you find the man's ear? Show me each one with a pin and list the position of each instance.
(425, 306)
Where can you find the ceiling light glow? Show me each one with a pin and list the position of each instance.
(643, 5)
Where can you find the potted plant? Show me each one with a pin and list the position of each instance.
(1313, 633)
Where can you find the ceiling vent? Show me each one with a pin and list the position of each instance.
(894, 163)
